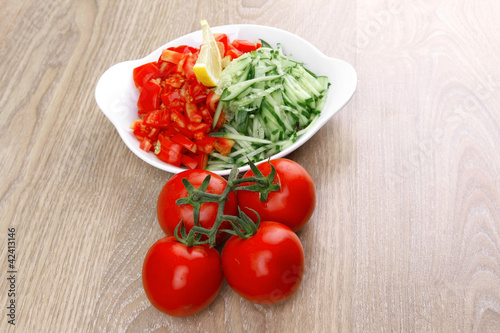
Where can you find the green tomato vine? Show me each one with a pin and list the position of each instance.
(242, 225)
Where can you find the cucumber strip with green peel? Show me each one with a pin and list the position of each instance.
(219, 166)
(238, 137)
(254, 95)
(323, 80)
(236, 89)
(268, 100)
(304, 130)
(242, 159)
(265, 44)
(240, 152)
(241, 143)
(223, 158)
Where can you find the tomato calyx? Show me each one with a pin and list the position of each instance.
(262, 184)
(197, 196)
(242, 225)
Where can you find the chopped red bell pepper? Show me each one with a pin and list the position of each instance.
(205, 145)
(184, 141)
(176, 111)
(146, 144)
(149, 97)
(158, 118)
(169, 97)
(189, 162)
(171, 56)
(144, 73)
(222, 39)
(245, 45)
(168, 151)
(233, 52)
(192, 113)
(212, 101)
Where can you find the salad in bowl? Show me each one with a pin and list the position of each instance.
(223, 96)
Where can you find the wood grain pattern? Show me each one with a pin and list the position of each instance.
(406, 234)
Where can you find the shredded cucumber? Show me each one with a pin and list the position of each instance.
(268, 100)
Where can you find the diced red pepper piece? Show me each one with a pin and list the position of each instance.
(180, 65)
(177, 105)
(184, 141)
(144, 73)
(168, 151)
(178, 118)
(201, 158)
(222, 39)
(164, 69)
(146, 145)
(184, 92)
(189, 162)
(171, 56)
(166, 143)
(192, 113)
(183, 49)
(175, 80)
(199, 136)
(153, 133)
(158, 118)
(205, 114)
(189, 63)
(149, 98)
(205, 145)
(169, 97)
(245, 45)
(170, 157)
(141, 130)
(196, 88)
(189, 134)
(200, 98)
(170, 131)
(201, 127)
(233, 52)
(212, 101)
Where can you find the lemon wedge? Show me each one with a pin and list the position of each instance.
(208, 66)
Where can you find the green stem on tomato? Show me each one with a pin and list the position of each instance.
(242, 225)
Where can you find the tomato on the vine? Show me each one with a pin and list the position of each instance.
(180, 280)
(267, 267)
(170, 214)
(293, 204)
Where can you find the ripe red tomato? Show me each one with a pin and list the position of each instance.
(292, 205)
(266, 268)
(180, 280)
(170, 214)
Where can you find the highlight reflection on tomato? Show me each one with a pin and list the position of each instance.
(267, 267)
(180, 280)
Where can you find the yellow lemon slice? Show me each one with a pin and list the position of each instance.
(208, 66)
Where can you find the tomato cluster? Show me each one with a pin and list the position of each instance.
(263, 261)
(176, 111)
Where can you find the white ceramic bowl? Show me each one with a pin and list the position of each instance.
(117, 95)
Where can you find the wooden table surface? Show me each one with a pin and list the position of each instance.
(406, 232)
